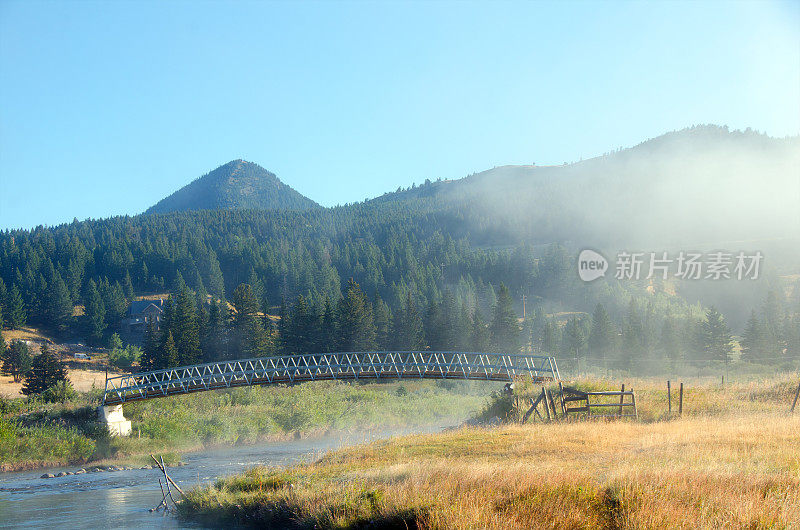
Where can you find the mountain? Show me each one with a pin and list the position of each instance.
(703, 186)
(701, 189)
(236, 185)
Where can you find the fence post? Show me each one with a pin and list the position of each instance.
(546, 404)
(669, 398)
(680, 401)
(621, 399)
(796, 394)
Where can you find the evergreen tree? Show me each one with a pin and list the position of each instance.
(356, 325)
(717, 340)
(669, 342)
(603, 334)
(248, 338)
(186, 329)
(434, 326)
(505, 332)
(16, 360)
(58, 304)
(550, 338)
(633, 338)
(151, 354)
(178, 285)
(448, 321)
(46, 371)
(284, 325)
(245, 305)
(127, 286)
(574, 339)
(302, 331)
(753, 338)
(15, 308)
(170, 353)
(327, 335)
(407, 328)
(95, 314)
(480, 333)
(383, 322)
(213, 345)
(537, 329)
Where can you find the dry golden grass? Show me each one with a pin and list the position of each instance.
(738, 467)
(82, 381)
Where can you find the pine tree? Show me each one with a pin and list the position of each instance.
(633, 338)
(356, 326)
(151, 358)
(186, 329)
(95, 314)
(16, 360)
(178, 285)
(753, 339)
(550, 338)
(480, 333)
(574, 339)
(302, 331)
(669, 342)
(603, 333)
(58, 303)
(383, 321)
(245, 304)
(170, 355)
(327, 335)
(717, 340)
(127, 286)
(46, 371)
(16, 308)
(213, 341)
(434, 326)
(505, 330)
(449, 321)
(407, 328)
(284, 325)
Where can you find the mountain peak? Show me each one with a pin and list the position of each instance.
(239, 184)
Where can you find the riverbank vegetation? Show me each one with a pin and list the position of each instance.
(34, 433)
(730, 461)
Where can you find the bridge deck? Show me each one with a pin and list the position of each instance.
(326, 367)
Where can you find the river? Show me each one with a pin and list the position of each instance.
(122, 499)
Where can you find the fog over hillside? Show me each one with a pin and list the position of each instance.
(697, 188)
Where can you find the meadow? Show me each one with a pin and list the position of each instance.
(731, 460)
(36, 434)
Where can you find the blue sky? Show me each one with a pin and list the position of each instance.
(106, 107)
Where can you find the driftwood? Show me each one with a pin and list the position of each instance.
(165, 494)
(163, 468)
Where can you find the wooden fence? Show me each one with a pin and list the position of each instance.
(570, 402)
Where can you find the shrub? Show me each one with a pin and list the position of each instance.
(61, 392)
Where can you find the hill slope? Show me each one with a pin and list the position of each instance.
(699, 186)
(236, 185)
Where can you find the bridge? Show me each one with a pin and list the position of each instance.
(293, 369)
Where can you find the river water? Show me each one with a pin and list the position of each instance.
(122, 499)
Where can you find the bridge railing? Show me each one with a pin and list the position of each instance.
(329, 366)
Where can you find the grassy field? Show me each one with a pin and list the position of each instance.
(732, 461)
(35, 434)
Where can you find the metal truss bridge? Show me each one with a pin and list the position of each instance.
(291, 369)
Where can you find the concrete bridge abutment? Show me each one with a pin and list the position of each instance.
(111, 416)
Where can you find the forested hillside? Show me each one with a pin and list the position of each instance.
(429, 261)
(236, 185)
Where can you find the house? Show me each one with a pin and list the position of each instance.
(140, 313)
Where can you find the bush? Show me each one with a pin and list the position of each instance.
(60, 392)
(123, 358)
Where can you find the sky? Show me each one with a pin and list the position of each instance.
(107, 107)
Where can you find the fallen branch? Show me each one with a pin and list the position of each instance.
(163, 468)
